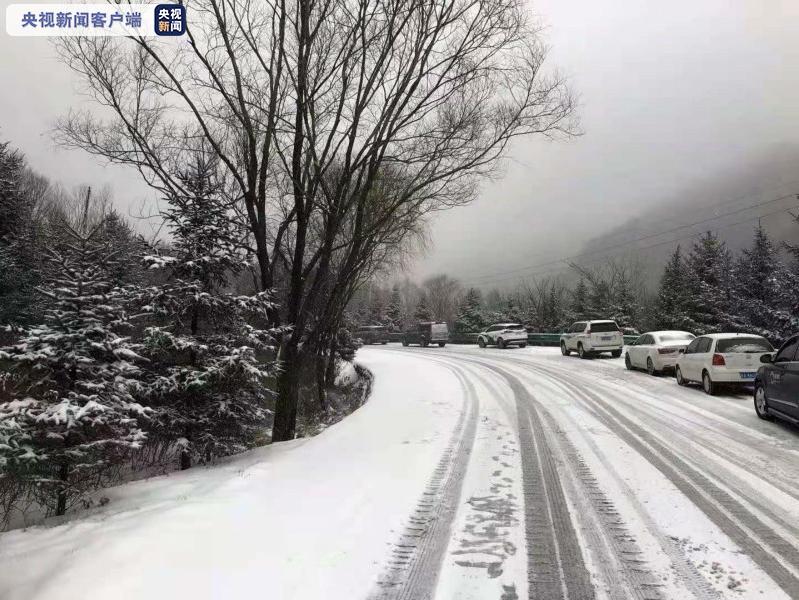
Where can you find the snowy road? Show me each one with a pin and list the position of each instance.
(578, 479)
(469, 474)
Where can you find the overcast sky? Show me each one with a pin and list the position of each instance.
(669, 93)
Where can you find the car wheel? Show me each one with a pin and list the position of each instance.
(441, 344)
(523, 345)
(678, 375)
(650, 367)
(708, 385)
(564, 350)
(581, 351)
(481, 342)
(405, 343)
(616, 353)
(627, 362)
(501, 343)
(384, 343)
(425, 343)
(761, 403)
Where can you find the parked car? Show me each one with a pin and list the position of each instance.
(721, 358)
(372, 334)
(657, 351)
(503, 335)
(589, 338)
(427, 333)
(777, 383)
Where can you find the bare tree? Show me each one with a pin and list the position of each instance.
(443, 295)
(312, 105)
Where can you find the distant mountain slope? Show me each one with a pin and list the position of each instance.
(728, 203)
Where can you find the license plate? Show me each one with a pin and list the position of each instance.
(607, 338)
(747, 374)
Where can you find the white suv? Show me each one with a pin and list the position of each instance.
(589, 338)
(503, 335)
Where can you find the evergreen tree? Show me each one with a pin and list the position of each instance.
(762, 299)
(19, 243)
(624, 309)
(579, 304)
(394, 310)
(511, 310)
(708, 299)
(470, 317)
(792, 283)
(205, 382)
(422, 311)
(71, 413)
(376, 309)
(671, 305)
(130, 248)
(599, 300)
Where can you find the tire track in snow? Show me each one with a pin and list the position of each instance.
(674, 424)
(624, 569)
(770, 551)
(683, 569)
(555, 560)
(413, 570)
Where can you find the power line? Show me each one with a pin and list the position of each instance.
(493, 276)
(662, 243)
(708, 207)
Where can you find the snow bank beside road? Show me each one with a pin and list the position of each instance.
(305, 519)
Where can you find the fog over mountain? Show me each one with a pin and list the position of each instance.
(681, 104)
(684, 106)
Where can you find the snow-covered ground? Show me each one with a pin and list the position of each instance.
(470, 473)
(312, 518)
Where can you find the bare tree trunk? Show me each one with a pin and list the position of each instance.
(321, 379)
(61, 499)
(288, 393)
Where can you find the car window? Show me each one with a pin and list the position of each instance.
(647, 340)
(578, 327)
(744, 345)
(604, 327)
(704, 345)
(788, 351)
(693, 346)
(677, 336)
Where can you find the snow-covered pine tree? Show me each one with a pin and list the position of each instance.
(579, 302)
(624, 307)
(671, 305)
(394, 310)
(422, 312)
(555, 314)
(470, 317)
(210, 362)
(129, 246)
(793, 273)
(599, 300)
(19, 248)
(70, 414)
(708, 268)
(511, 310)
(762, 299)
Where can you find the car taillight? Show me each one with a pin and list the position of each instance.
(667, 350)
(718, 360)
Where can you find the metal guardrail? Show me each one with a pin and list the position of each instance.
(534, 339)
